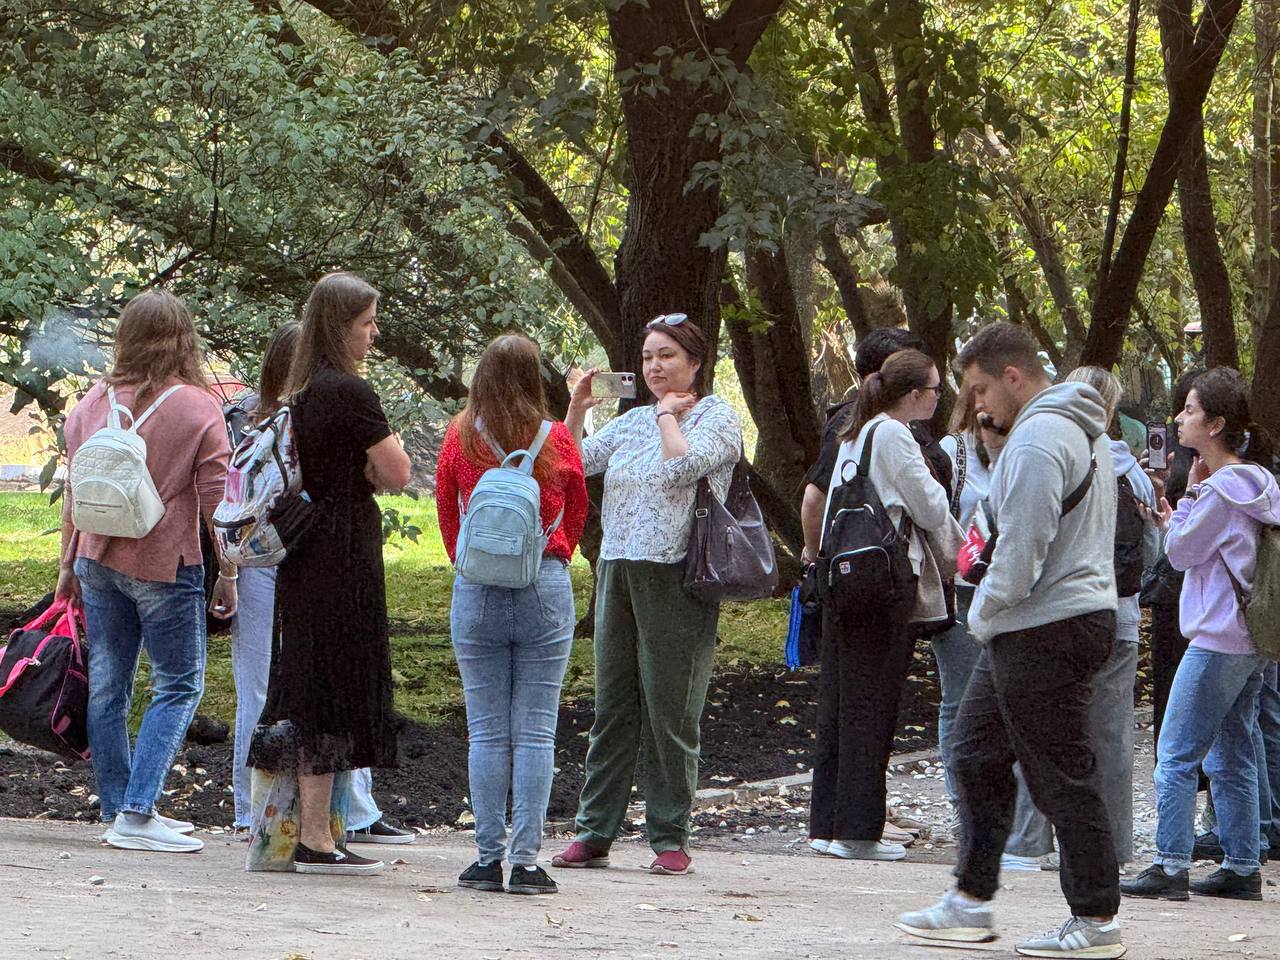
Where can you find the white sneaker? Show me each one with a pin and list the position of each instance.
(177, 826)
(151, 835)
(954, 919)
(866, 850)
(1077, 937)
(820, 846)
(1011, 861)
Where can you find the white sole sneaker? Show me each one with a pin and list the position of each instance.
(951, 934)
(153, 844)
(820, 846)
(1110, 951)
(866, 850)
(339, 870)
(177, 826)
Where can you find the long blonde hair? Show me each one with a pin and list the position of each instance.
(156, 342)
(335, 302)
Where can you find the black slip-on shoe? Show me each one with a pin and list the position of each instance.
(526, 879)
(1229, 885)
(340, 863)
(482, 876)
(380, 832)
(1154, 884)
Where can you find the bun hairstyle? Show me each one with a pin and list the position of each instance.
(1223, 393)
(903, 372)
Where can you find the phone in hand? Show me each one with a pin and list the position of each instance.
(1157, 446)
(619, 385)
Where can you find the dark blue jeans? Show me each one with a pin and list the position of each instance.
(125, 615)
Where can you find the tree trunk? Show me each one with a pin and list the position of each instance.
(1204, 255)
(1264, 46)
(661, 265)
(1122, 143)
(1190, 76)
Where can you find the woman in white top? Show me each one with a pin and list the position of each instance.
(654, 643)
(865, 663)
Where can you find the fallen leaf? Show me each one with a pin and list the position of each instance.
(1237, 937)
(749, 917)
(399, 862)
(645, 906)
(783, 703)
(259, 908)
(553, 922)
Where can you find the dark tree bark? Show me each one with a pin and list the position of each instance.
(772, 361)
(1204, 255)
(845, 274)
(1190, 76)
(1122, 144)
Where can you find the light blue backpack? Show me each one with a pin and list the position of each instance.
(501, 540)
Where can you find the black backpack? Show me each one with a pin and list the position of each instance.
(863, 568)
(1130, 531)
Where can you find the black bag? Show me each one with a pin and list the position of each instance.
(1130, 532)
(1161, 585)
(730, 553)
(44, 684)
(864, 569)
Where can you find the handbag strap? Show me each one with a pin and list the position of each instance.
(962, 471)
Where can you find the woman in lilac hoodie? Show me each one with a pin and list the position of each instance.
(1213, 536)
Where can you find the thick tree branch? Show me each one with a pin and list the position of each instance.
(741, 26)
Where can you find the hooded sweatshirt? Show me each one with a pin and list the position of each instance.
(1128, 611)
(1047, 567)
(1215, 528)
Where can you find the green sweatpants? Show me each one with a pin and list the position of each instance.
(654, 649)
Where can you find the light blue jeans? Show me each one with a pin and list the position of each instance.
(1211, 718)
(125, 615)
(250, 668)
(1267, 750)
(512, 648)
(955, 653)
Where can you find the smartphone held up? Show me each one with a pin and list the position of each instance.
(1157, 446)
(614, 386)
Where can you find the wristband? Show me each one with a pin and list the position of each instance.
(223, 576)
(663, 413)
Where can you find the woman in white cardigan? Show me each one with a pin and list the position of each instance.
(865, 663)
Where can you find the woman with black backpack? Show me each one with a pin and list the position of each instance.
(866, 645)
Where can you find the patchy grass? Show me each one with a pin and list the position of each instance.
(419, 584)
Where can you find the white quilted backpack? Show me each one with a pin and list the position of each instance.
(112, 493)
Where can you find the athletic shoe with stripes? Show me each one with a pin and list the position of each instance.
(953, 919)
(1077, 937)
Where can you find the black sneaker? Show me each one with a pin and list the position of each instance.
(482, 876)
(1154, 884)
(380, 832)
(530, 880)
(341, 862)
(1207, 847)
(1229, 885)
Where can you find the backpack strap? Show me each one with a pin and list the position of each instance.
(493, 444)
(531, 454)
(1242, 598)
(864, 461)
(1076, 496)
(113, 418)
(962, 470)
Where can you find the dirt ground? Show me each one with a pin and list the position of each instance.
(63, 895)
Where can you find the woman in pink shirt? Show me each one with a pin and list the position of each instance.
(148, 592)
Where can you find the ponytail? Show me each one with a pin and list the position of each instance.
(903, 372)
(1258, 446)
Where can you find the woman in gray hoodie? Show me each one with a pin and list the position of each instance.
(1213, 536)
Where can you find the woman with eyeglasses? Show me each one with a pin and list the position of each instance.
(654, 644)
(865, 664)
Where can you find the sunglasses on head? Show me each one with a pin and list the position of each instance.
(667, 320)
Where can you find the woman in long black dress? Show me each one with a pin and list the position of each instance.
(329, 697)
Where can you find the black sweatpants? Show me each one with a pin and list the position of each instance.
(864, 667)
(1028, 700)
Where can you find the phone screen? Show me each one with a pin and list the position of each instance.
(1157, 446)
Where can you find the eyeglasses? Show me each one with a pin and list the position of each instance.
(936, 388)
(667, 319)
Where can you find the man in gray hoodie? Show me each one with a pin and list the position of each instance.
(1045, 613)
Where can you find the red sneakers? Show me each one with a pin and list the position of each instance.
(580, 855)
(673, 863)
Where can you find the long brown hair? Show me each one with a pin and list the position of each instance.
(1224, 393)
(903, 372)
(276, 361)
(335, 302)
(156, 342)
(507, 394)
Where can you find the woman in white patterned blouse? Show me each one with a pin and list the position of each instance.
(654, 644)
